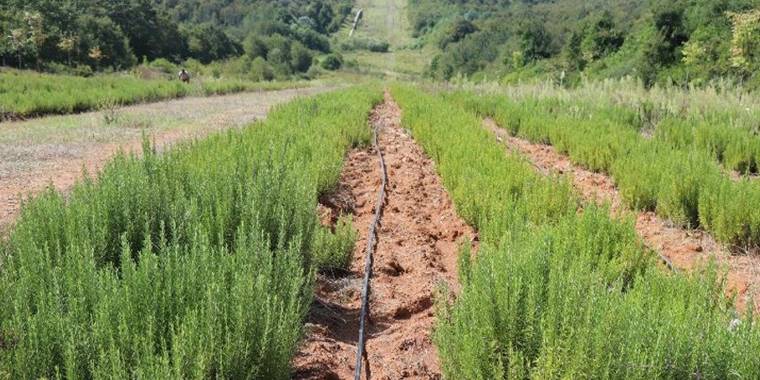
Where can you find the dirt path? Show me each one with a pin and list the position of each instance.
(54, 150)
(686, 248)
(417, 250)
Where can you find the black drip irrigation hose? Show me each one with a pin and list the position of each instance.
(371, 244)
(668, 262)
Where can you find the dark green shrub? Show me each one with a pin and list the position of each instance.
(332, 62)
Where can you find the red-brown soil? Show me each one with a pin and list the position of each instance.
(687, 249)
(418, 240)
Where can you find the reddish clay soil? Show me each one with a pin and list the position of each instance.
(687, 249)
(418, 240)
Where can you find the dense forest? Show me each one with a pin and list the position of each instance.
(270, 37)
(659, 41)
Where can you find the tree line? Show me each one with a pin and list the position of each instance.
(659, 41)
(118, 34)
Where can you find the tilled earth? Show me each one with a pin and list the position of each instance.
(418, 240)
(687, 249)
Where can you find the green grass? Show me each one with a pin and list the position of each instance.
(26, 94)
(386, 20)
(557, 293)
(680, 172)
(196, 263)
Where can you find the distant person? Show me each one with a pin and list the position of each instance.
(184, 76)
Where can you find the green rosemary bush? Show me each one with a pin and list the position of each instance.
(557, 293)
(195, 263)
(673, 170)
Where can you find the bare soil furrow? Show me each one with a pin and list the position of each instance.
(686, 248)
(416, 252)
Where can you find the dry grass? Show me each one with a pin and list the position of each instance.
(53, 150)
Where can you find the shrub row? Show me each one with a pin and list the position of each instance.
(196, 263)
(557, 293)
(358, 43)
(676, 173)
(28, 94)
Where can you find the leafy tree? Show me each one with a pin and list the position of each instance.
(150, 30)
(535, 42)
(261, 70)
(668, 21)
(301, 57)
(332, 62)
(207, 43)
(745, 43)
(459, 30)
(104, 44)
(255, 47)
(600, 38)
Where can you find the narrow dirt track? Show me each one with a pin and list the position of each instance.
(687, 249)
(54, 150)
(417, 249)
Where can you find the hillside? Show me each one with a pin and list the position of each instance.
(657, 41)
(81, 37)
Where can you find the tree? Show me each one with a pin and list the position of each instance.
(600, 38)
(301, 57)
(67, 44)
(459, 30)
(151, 31)
(668, 19)
(261, 70)
(745, 42)
(103, 34)
(26, 36)
(255, 47)
(207, 42)
(535, 42)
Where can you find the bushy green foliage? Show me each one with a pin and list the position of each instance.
(659, 41)
(46, 35)
(677, 172)
(27, 94)
(332, 61)
(333, 250)
(357, 43)
(195, 263)
(554, 293)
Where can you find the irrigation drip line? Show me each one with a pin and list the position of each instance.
(371, 244)
(668, 262)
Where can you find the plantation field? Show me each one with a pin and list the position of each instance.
(25, 94)
(54, 150)
(200, 261)
(691, 163)
(554, 293)
(567, 229)
(195, 263)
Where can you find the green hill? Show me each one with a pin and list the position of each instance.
(658, 41)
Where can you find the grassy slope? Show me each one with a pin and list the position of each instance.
(387, 20)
